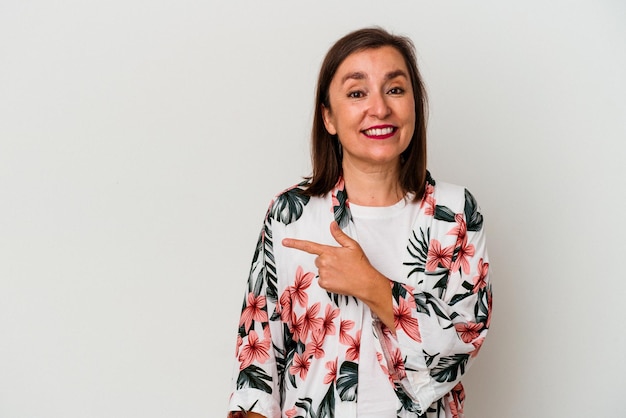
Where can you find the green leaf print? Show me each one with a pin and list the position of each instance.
(482, 307)
(449, 368)
(473, 217)
(347, 383)
(341, 211)
(326, 408)
(307, 405)
(289, 205)
(253, 377)
(407, 403)
(443, 213)
(459, 297)
(418, 250)
(269, 266)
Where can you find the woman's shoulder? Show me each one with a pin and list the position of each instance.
(451, 199)
(288, 205)
(445, 191)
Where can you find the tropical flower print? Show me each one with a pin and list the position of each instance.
(354, 347)
(477, 343)
(468, 331)
(460, 229)
(438, 256)
(301, 364)
(301, 284)
(428, 201)
(298, 346)
(254, 350)
(344, 337)
(465, 252)
(254, 311)
(331, 376)
(316, 346)
(480, 281)
(403, 319)
(328, 323)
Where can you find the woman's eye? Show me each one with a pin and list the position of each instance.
(396, 90)
(356, 94)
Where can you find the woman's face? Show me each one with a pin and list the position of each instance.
(372, 110)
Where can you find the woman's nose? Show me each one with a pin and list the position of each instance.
(379, 106)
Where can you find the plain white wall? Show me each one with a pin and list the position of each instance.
(140, 142)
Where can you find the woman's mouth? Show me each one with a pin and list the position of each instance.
(380, 132)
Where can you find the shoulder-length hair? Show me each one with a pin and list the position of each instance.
(326, 151)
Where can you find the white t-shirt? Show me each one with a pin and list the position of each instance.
(383, 233)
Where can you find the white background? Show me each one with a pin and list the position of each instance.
(141, 141)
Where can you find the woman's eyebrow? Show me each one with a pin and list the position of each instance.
(358, 75)
(396, 73)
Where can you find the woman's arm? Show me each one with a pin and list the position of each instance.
(255, 376)
(442, 319)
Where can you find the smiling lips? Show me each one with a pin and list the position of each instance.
(380, 132)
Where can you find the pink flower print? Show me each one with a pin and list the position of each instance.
(266, 332)
(285, 307)
(469, 331)
(454, 411)
(462, 258)
(458, 399)
(438, 256)
(239, 342)
(398, 364)
(477, 343)
(428, 200)
(345, 326)
(460, 230)
(403, 319)
(301, 364)
(291, 412)
(430, 209)
(302, 283)
(253, 311)
(328, 324)
(428, 191)
(254, 350)
(331, 376)
(480, 281)
(352, 353)
(410, 289)
(310, 321)
(296, 327)
(315, 347)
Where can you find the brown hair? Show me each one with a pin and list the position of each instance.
(325, 148)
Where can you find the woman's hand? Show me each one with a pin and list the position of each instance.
(347, 271)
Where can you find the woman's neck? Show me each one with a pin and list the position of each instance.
(372, 187)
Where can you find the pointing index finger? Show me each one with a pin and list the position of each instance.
(306, 246)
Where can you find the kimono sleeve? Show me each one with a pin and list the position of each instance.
(443, 315)
(255, 375)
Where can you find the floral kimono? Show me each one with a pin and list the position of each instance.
(298, 345)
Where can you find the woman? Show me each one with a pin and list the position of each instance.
(369, 293)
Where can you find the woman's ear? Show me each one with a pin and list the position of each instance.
(328, 121)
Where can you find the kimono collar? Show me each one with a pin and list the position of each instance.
(341, 204)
